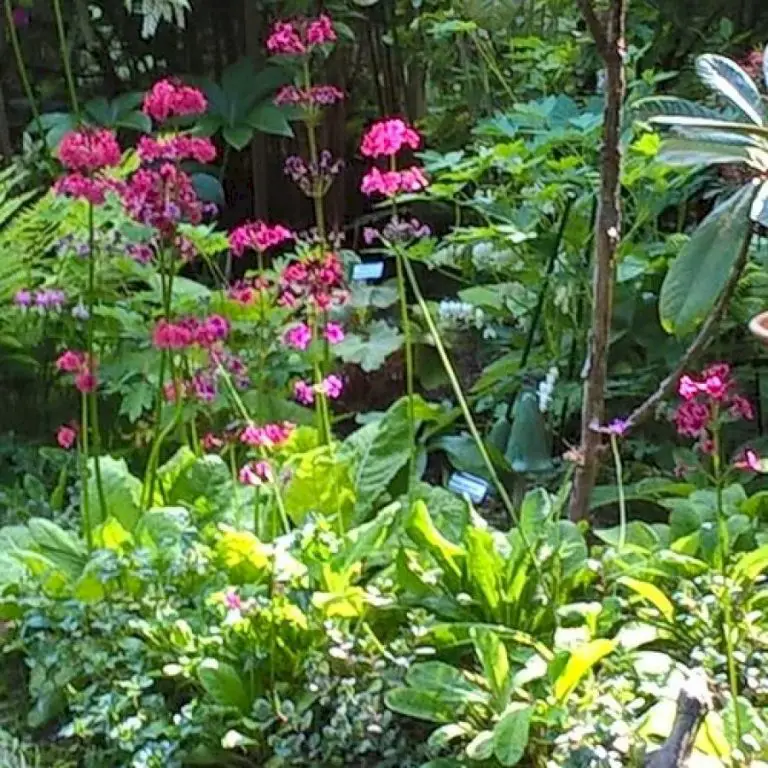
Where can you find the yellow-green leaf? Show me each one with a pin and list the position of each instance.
(652, 594)
(582, 659)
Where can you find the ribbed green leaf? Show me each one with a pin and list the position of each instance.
(657, 106)
(697, 276)
(729, 79)
(688, 152)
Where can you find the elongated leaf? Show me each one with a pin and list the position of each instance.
(483, 567)
(510, 736)
(652, 594)
(581, 660)
(729, 79)
(654, 107)
(426, 536)
(422, 705)
(716, 124)
(759, 212)
(751, 565)
(691, 152)
(446, 680)
(223, 684)
(697, 276)
(481, 747)
(493, 656)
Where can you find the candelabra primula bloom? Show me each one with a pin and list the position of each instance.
(387, 138)
(258, 236)
(268, 436)
(171, 98)
(300, 36)
(66, 436)
(256, 474)
(391, 183)
(176, 149)
(89, 150)
(298, 337)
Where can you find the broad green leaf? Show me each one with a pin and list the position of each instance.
(162, 527)
(379, 451)
(727, 78)
(320, 484)
(535, 512)
(208, 189)
(687, 152)
(60, 548)
(652, 594)
(362, 542)
(446, 680)
(112, 535)
(481, 747)
(237, 136)
(510, 736)
(372, 352)
(205, 486)
(751, 565)
(223, 684)
(422, 705)
(427, 538)
(483, 567)
(170, 472)
(243, 555)
(581, 661)
(699, 273)
(269, 118)
(655, 107)
(529, 447)
(493, 657)
(122, 493)
(442, 737)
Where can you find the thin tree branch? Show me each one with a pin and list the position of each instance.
(699, 344)
(595, 27)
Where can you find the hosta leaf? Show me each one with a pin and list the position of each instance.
(698, 274)
(729, 79)
(122, 493)
(510, 736)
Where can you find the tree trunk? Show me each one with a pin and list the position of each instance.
(611, 45)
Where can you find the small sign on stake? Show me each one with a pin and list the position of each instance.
(371, 270)
(464, 484)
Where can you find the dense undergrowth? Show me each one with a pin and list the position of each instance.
(297, 493)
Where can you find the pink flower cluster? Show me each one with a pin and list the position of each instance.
(316, 281)
(316, 96)
(256, 474)
(332, 387)
(92, 189)
(66, 436)
(391, 183)
(247, 292)
(705, 398)
(176, 149)
(190, 332)
(387, 138)
(269, 436)
(83, 368)
(296, 38)
(162, 197)
(44, 300)
(89, 150)
(258, 236)
(171, 98)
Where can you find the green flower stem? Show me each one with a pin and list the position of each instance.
(84, 470)
(67, 64)
(93, 396)
(240, 405)
(401, 260)
(24, 77)
(729, 629)
(620, 484)
(467, 413)
(167, 293)
(314, 157)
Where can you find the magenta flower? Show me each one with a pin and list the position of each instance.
(687, 388)
(79, 187)
(23, 298)
(170, 98)
(257, 236)
(70, 361)
(211, 443)
(89, 149)
(285, 40)
(66, 436)
(333, 386)
(387, 137)
(391, 183)
(256, 474)
(750, 461)
(316, 96)
(321, 31)
(295, 38)
(304, 393)
(298, 337)
(176, 149)
(334, 333)
(86, 381)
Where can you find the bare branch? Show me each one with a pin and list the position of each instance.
(595, 27)
(699, 344)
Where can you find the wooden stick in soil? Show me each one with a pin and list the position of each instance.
(610, 41)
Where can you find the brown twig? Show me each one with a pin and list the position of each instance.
(699, 344)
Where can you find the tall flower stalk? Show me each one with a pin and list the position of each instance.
(386, 139)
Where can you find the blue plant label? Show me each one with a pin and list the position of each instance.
(371, 270)
(468, 485)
